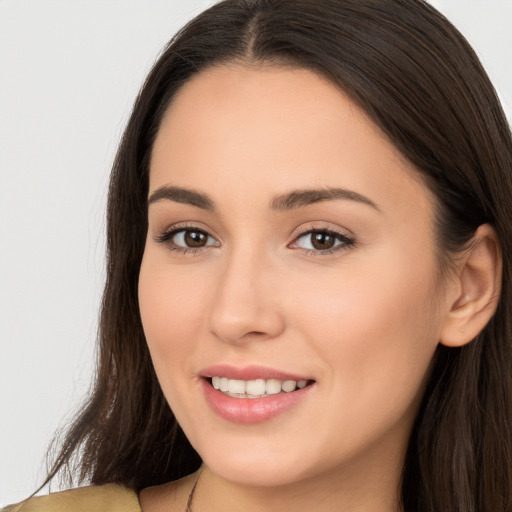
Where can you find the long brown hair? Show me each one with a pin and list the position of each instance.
(419, 80)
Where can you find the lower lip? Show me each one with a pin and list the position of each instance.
(252, 410)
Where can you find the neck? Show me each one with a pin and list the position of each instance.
(336, 490)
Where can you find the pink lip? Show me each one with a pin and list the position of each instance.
(251, 410)
(249, 373)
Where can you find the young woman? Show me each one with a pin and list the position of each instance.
(308, 298)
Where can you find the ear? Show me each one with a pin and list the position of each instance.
(476, 288)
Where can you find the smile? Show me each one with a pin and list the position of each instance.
(253, 394)
(258, 388)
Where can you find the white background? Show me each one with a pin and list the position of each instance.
(69, 72)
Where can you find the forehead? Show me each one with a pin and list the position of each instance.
(275, 129)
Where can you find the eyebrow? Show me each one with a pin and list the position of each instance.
(284, 202)
(181, 195)
(300, 198)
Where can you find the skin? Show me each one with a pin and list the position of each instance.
(363, 321)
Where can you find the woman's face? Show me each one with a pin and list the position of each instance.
(287, 241)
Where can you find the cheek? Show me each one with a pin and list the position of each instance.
(172, 313)
(377, 326)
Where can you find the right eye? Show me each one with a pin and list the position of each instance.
(184, 239)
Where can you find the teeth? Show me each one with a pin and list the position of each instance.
(289, 385)
(273, 386)
(236, 386)
(255, 388)
(224, 384)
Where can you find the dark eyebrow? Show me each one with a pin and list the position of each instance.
(299, 198)
(181, 195)
(288, 201)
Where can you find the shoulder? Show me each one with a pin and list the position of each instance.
(101, 498)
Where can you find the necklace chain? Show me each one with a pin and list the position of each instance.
(190, 499)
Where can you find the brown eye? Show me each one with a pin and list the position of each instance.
(195, 238)
(183, 239)
(322, 241)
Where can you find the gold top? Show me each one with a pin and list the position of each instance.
(101, 498)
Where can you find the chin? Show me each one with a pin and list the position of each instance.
(254, 474)
(260, 461)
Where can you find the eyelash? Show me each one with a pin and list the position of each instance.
(167, 236)
(345, 242)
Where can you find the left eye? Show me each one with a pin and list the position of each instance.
(191, 238)
(321, 240)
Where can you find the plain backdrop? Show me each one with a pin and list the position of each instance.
(69, 72)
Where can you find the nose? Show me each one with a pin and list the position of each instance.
(244, 307)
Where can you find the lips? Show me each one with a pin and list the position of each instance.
(250, 373)
(253, 394)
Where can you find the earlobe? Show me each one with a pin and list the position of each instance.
(478, 284)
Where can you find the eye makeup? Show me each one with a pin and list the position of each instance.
(314, 241)
(322, 241)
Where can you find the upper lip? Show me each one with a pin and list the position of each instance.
(251, 372)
